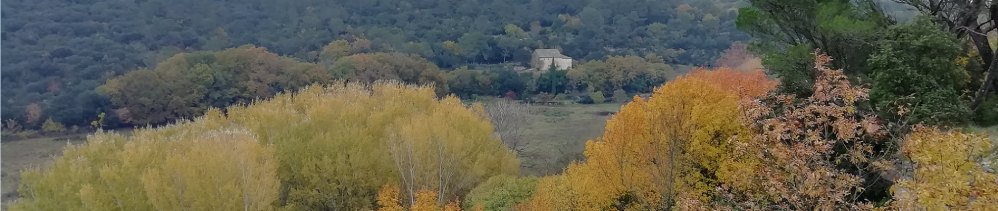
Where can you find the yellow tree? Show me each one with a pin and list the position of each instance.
(330, 147)
(676, 143)
(947, 172)
(183, 166)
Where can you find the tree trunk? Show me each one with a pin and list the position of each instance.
(991, 73)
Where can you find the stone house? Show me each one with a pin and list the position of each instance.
(542, 59)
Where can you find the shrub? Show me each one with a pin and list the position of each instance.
(619, 96)
(597, 97)
(52, 126)
(543, 97)
(501, 193)
(560, 97)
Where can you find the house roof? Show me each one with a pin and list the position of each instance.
(550, 53)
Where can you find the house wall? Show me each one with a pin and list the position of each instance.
(563, 64)
(560, 64)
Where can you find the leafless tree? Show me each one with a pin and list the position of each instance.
(510, 121)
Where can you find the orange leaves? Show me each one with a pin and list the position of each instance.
(753, 83)
(793, 144)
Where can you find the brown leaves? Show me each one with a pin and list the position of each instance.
(793, 144)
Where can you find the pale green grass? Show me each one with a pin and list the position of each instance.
(559, 134)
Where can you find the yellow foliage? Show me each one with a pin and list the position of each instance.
(331, 148)
(388, 198)
(675, 143)
(173, 168)
(426, 200)
(947, 172)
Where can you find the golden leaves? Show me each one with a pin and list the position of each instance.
(677, 142)
(947, 172)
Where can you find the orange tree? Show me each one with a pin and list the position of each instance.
(818, 153)
(675, 144)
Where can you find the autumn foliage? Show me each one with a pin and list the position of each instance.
(718, 140)
(945, 172)
(678, 143)
(322, 148)
(794, 157)
(753, 83)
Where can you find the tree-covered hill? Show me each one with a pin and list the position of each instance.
(56, 52)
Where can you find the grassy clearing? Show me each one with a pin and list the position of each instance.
(31, 153)
(559, 134)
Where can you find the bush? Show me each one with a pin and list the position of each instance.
(52, 126)
(26, 134)
(987, 114)
(543, 97)
(501, 193)
(597, 97)
(619, 96)
(560, 97)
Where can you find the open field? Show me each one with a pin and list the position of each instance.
(559, 134)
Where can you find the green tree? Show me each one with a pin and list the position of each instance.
(916, 69)
(474, 44)
(407, 68)
(620, 96)
(336, 50)
(597, 97)
(789, 30)
(501, 193)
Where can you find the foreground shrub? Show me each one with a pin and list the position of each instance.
(329, 148)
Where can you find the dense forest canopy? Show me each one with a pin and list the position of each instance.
(57, 52)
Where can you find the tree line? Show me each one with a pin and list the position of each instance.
(59, 52)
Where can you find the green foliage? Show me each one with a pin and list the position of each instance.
(916, 68)
(52, 126)
(187, 84)
(788, 31)
(407, 68)
(59, 51)
(597, 97)
(987, 114)
(620, 96)
(631, 73)
(557, 113)
(553, 81)
(543, 97)
(501, 193)
(560, 97)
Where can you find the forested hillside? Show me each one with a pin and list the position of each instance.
(57, 52)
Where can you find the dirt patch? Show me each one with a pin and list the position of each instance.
(606, 113)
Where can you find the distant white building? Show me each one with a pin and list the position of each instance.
(544, 58)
